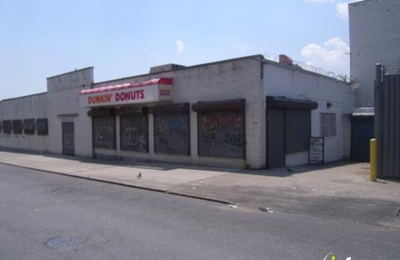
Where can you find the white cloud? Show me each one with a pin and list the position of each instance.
(332, 55)
(342, 7)
(343, 10)
(179, 46)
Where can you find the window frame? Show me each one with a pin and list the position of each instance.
(328, 124)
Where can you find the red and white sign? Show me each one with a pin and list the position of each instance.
(153, 90)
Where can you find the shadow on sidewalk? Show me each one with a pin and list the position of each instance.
(290, 171)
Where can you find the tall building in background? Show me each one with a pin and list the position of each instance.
(374, 38)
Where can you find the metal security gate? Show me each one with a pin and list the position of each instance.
(276, 138)
(288, 128)
(68, 138)
(387, 123)
(221, 134)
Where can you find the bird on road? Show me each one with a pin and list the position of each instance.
(139, 175)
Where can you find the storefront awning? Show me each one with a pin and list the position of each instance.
(153, 90)
(224, 105)
(290, 103)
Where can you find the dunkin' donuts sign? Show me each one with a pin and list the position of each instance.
(131, 93)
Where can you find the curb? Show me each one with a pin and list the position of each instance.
(215, 200)
(193, 196)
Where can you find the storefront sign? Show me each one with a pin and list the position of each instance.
(154, 90)
(316, 149)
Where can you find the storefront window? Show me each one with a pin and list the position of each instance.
(17, 126)
(29, 126)
(42, 126)
(7, 126)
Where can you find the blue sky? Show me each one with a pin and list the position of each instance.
(121, 38)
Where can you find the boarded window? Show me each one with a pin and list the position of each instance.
(7, 126)
(29, 126)
(328, 124)
(171, 133)
(221, 134)
(298, 130)
(134, 133)
(42, 126)
(17, 126)
(104, 132)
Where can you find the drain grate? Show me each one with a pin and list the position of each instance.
(66, 241)
(67, 191)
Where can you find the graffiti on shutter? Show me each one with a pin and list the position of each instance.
(104, 132)
(171, 133)
(221, 134)
(134, 133)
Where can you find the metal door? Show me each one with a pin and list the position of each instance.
(68, 138)
(362, 130)
(276, 138)
(387, 121)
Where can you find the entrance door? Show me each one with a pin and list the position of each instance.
(68, 138)
(362, 130)
(276, 138)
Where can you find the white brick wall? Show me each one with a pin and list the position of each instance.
(62, 100)
(244, 78)
(239, 78)
(29, 107)
(70, 80)
(298, 84)
(66, 104)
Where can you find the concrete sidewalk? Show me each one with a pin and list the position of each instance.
(337, 191)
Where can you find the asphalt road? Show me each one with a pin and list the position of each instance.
(49, 216)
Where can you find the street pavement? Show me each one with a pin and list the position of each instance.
(338, 191)
(49, 216)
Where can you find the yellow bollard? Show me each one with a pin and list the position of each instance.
(372, 159)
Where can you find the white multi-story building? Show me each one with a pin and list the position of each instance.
(374, 38)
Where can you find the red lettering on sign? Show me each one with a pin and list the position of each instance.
(129, 95)
(165, 92)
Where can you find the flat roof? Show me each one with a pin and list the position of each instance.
(358, 2)
(31, 95)
(261, 57)
(69, 72)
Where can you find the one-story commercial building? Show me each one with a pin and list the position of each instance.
(244, 112)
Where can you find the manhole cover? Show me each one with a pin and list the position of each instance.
(66, 241)
(67, 191)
